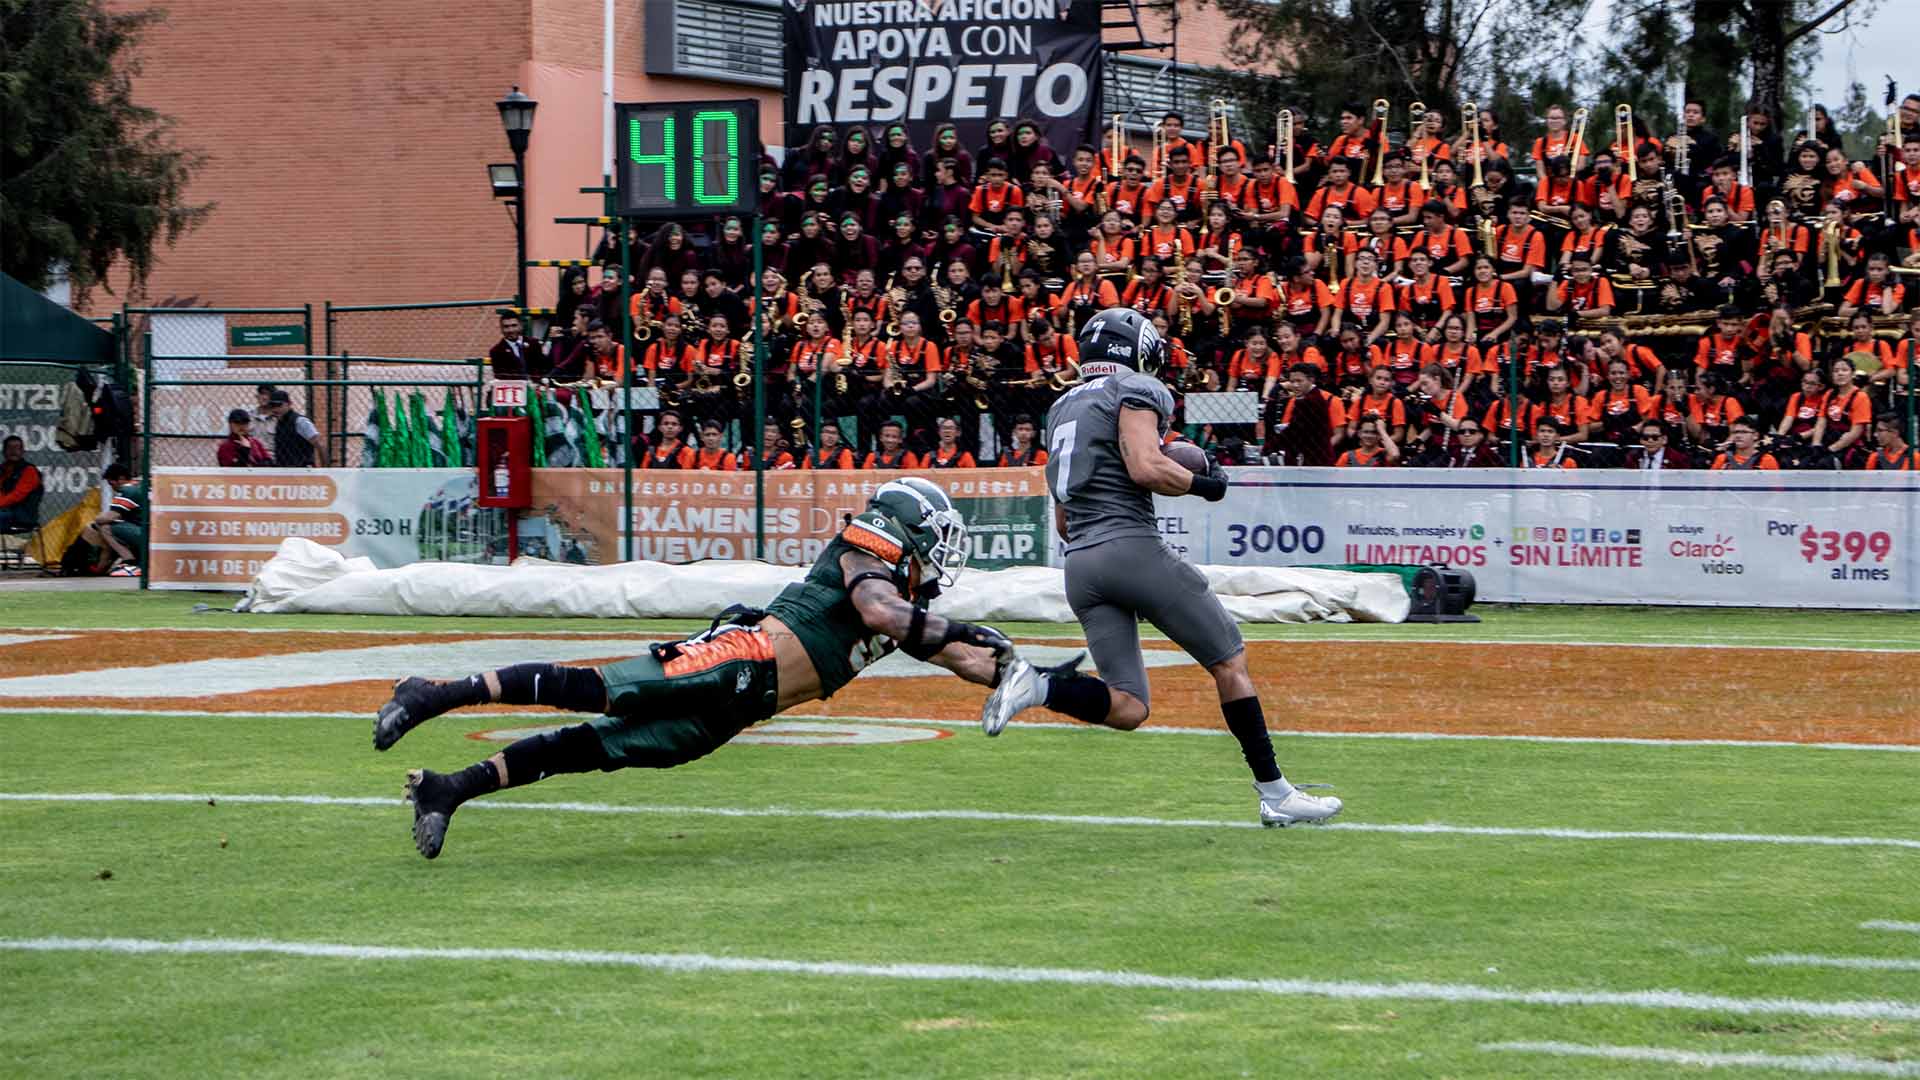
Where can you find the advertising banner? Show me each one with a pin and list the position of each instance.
(928, 62)
(214, 528)
(1799, 539)
(30, 408)
(685, 516)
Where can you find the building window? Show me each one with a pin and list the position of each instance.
(1142, 89)
(734, 41)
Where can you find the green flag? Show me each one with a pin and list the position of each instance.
(589, 438)
(450, 431)
(393, 448)
(421, 456)
(539, 428)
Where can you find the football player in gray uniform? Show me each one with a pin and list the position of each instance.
(1104, 467)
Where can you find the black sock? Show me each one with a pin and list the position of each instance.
(576, 689)
(445, 697)
(1249, 725)
(479, 778)
(571, 749)
(1083, 697)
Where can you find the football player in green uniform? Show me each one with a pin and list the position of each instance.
(865, 596)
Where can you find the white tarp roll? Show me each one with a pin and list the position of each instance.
(307, 577)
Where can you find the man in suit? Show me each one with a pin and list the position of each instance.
(1655, 450)
(515, 356)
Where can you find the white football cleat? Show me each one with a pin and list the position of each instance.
(1019, 690)
(1298, 808)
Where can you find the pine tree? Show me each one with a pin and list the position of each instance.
(92, 178)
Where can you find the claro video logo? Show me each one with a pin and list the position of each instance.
(1715, 555)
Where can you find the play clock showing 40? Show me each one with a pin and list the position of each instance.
(682, 159)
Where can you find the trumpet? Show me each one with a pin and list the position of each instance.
(1223, 299)
(1472, 112)
(1381, 106)
(1283, 131)
(1779, 230)
(1417, 137)
(1623, 138)
(1219, 137)
(1578, 136)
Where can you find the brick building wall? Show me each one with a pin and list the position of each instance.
(347, 145)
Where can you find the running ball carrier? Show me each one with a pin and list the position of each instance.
(1104, 467)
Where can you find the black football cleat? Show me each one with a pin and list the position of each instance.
(433, 806)
(409, 707)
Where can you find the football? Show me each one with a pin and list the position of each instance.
(1188, 455)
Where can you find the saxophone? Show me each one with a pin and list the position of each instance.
(943, 297)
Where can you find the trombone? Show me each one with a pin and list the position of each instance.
(1116, 148)
(1746, 150)
(1381, 106)
(1218, 135)
(1623, 139)
(1473, 137)
(1888, 175)
(1578, 134)
(1159, 163)
(1417, 137)
(1283, 131)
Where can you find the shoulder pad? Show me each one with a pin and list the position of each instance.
(877, 535)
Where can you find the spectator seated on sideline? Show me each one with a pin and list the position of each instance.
(20, 488)
(240, 450)
(120, 532)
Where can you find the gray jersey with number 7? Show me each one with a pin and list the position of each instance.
(1085, 471)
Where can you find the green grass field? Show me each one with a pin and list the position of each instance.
(668, 925)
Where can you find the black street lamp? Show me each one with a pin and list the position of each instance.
(516, 115)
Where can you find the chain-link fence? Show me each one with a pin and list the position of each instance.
(358, 402)
(449, 330)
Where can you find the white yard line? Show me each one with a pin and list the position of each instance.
(1129, 980)
(1042, 725)
(1821, 1064)
(1888, 924)
(1817, 643)
(1405, 829)
(1853, 963)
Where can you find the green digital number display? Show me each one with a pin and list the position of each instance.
(688, 159)
(655, 174)
(717, 158)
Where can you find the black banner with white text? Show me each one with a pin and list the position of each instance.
(929, 62)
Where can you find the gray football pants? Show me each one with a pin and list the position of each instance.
(1112, 585)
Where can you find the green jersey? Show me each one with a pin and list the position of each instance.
(819, 608)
